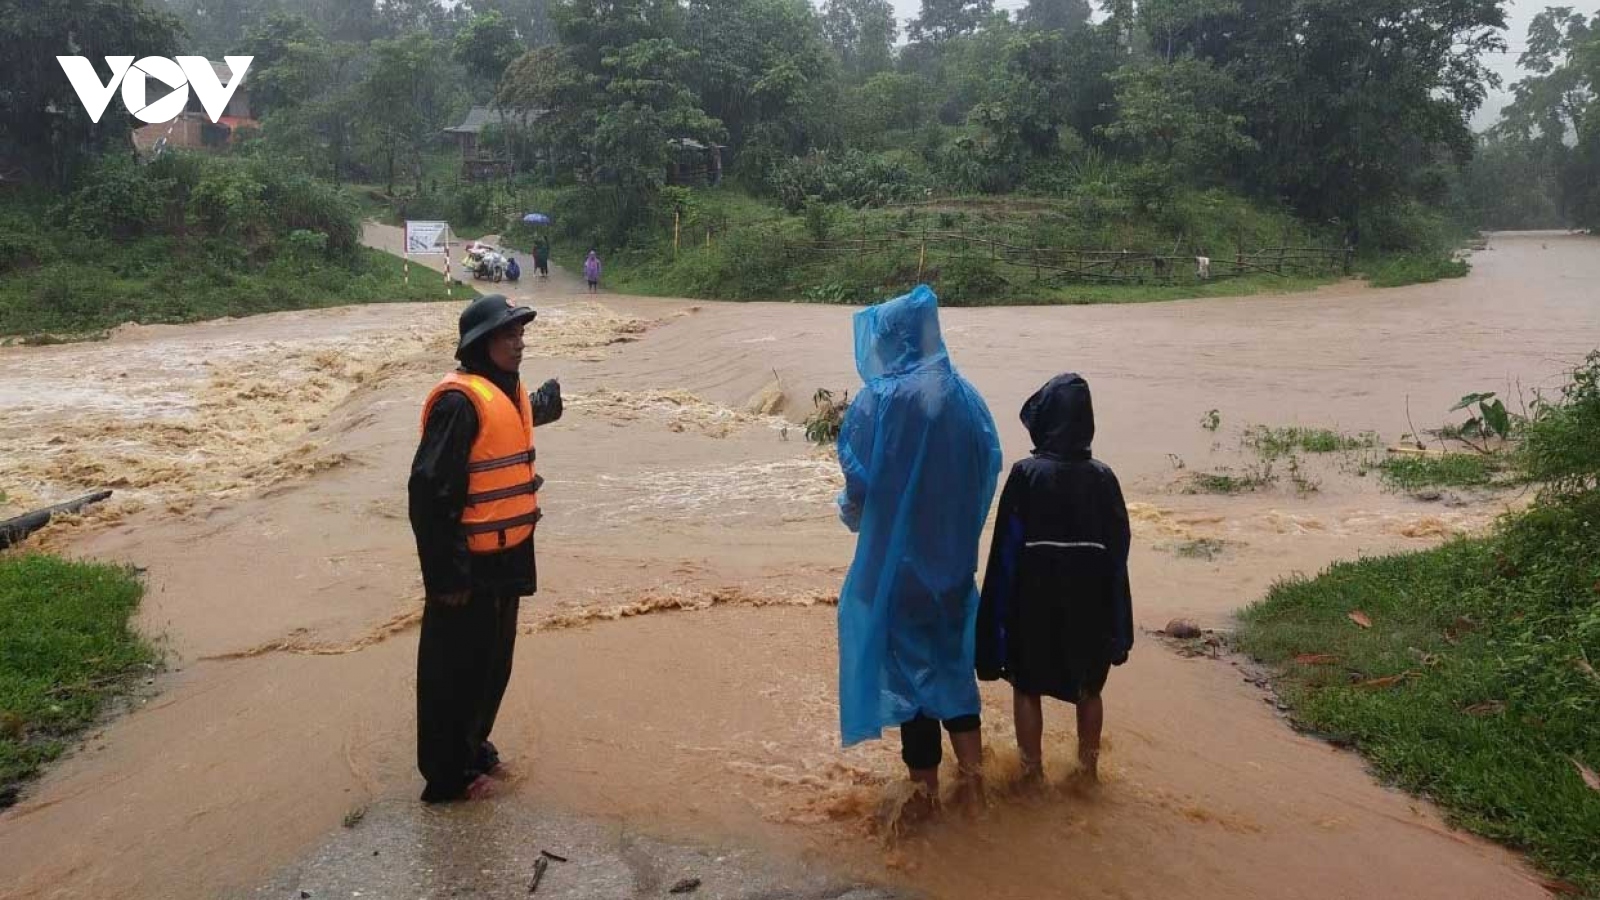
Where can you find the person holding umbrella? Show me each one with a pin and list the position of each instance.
(541, 244)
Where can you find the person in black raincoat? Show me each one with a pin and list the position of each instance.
(1056, 611)
(469, 622)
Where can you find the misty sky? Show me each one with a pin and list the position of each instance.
(1521, 13)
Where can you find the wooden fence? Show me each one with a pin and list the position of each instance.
(1070, 264)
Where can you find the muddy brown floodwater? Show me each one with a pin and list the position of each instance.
(676, 673)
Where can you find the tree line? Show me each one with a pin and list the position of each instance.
(1352, 114)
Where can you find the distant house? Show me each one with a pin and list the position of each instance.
(694, 164)
(193, 128)
(479, 161)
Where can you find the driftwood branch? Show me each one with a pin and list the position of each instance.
(14, 531)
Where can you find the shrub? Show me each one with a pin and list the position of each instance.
(228, 202)
(825, 421)
(1416, 268)
(117, 199)
(1561, 447)
(307, 243)
(302, 203)
(1404, 226)
(22, 249)
(857, 179)
(970, 281)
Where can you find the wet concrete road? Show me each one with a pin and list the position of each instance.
(488, 850)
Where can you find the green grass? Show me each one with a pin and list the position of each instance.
(1475, 684)
(156, 280)
(1207, 549)
(1412, 473)
(757, 251)
(1401, 269)
(1227, 482)
(869, 279)
(65, 648)
(1274, 443)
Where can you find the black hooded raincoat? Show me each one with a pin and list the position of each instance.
(1056, 610)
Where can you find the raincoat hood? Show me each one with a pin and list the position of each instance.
(1060, 418)
(900, 336)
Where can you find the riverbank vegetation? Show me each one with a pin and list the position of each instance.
(1468, 673)
(66, 649)
(184, 238)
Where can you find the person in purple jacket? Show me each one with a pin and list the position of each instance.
(591, 272)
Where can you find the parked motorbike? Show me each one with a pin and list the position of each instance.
(487, 265)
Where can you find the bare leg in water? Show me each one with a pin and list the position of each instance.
(1091, 716)
(969, 765)
(1028, 712)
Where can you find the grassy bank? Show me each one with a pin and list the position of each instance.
(185, 238)
(1475, 684)
(150, 281)
(1468, 673)
(973, 251)
(65, 649)
(725, 244)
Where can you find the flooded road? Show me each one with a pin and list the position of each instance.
(675, 678)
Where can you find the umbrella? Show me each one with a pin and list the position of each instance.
(536, 219)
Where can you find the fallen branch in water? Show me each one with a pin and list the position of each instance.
(14, 531)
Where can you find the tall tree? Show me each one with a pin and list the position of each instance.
(1556, 113)
(1511, 185)
(485, 46)
(942, 20)
(399, 18)
(1065, 16)
(306, 88)
(532, 20)
(279, 77)
(1180, 117)
(613, 96)
(216, 27)
(405, 97)
(1351, 100)
(762, 70)
(1177, 25)
(862, 34)
(44, 129)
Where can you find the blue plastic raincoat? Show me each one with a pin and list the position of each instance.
(921, 457)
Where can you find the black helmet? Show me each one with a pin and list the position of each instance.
(487, 313)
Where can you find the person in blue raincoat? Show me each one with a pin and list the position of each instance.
(921, 458)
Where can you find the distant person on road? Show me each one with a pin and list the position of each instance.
(591, 272)
(921, 458)
(1057, 612)
(474, 507)
(513, 271)
(541, 256)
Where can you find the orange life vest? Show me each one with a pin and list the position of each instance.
(502, 486)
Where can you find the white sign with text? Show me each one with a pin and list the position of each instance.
(427, 238)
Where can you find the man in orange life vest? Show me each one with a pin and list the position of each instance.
(474, 506)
